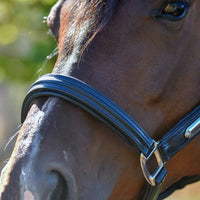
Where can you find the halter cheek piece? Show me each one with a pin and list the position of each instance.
(101, 107)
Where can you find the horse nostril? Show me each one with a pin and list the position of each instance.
(44, 186)
(60, 191)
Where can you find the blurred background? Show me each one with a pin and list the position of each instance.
(27, 51)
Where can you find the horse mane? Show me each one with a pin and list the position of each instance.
(87, 19)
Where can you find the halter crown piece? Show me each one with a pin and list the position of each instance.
(101, 107)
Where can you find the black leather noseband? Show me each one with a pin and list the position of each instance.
(101, 107)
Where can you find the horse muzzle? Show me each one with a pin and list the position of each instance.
(45, 185)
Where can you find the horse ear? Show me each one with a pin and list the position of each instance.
(53, 20)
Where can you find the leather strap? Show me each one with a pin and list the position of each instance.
(152, 192)
(174, 140)
(92, 101)
(179, 185)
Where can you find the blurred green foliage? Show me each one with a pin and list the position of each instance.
(24, 39)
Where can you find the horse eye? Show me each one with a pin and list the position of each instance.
(175, 9)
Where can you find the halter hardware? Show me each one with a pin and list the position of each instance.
(151, 178)
(192, 129)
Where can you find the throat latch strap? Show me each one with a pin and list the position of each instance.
(101, 107)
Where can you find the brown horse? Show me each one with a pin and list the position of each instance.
(144, 55)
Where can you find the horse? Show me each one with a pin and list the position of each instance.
(142, 55)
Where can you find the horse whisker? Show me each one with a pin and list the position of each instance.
(49, 57)
(11, 138)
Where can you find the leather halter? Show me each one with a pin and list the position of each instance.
(101, 107)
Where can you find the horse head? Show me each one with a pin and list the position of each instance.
(144, 55)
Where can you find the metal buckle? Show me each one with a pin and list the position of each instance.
(192, 129)
(151, 178)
